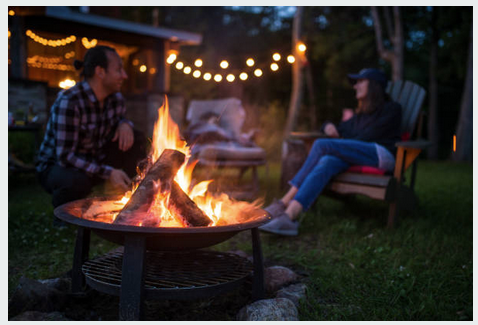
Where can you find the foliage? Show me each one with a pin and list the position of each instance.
(340, 40)
(354, 268)
(22, 145)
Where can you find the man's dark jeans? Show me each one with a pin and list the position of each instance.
(67, 184)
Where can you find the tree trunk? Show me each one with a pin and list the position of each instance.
(398, 45)
(395, 57)
(310, 91)
(433, 133)
(297, 80)
(464, 129)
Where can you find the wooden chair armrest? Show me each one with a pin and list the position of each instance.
(307, 135)
(407, 152)
(417, 144)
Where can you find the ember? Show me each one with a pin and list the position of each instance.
(162, 195)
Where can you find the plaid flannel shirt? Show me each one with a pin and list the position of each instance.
(78, 129)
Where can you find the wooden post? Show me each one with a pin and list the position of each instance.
(18, 48)
(161, 80)
(297, 80)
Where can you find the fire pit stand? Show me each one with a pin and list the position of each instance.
(128, 273)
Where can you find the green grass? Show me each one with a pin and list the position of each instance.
(355, 268)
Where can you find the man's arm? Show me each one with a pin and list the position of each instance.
(67, 125)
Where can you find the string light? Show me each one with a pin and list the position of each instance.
(171, 58)
(198, 63)
(243, 76)
(89, 44)
(224, 64)
(70, 55)
(258, 72)
(143, 68)
(52, 43)
(11, 13)
(196, 73)
(152, 70)
(67, 83)
(301, 47)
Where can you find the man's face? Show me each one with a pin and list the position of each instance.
(114, 74)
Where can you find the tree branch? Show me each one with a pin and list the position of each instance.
(384, 54)
(388, 23)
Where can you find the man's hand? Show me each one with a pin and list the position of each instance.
(119, 179)
(331, 131)
(125, 136)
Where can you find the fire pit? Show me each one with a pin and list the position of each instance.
(160, 263)
(162, 222)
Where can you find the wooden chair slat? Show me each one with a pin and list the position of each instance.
(407, 109)
(416, 108)
(395, 90)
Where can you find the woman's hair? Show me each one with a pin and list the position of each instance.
(375, 98)
(94, 57)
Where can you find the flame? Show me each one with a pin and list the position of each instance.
(166, 135)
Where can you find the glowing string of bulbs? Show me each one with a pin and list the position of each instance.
(218, 77)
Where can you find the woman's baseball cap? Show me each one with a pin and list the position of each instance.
(371, 74)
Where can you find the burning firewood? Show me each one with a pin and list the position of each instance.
(186, 209)
(158, 178)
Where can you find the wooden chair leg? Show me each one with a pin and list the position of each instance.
(392, 214)
(255, 179)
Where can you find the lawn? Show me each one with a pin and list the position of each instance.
(355, 268)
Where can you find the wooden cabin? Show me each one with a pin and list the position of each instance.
(44, 41)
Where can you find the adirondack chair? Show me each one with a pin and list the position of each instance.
(375, 183)
(225, 155)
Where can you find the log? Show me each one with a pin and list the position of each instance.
(158, 178)
(186, 209)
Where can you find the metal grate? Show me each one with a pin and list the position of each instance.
(173, 270)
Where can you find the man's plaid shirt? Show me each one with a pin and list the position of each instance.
(78, 129)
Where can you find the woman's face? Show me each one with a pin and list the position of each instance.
(361, 88)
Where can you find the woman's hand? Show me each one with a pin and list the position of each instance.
(347, 114)
(125, 136)
(331, 130)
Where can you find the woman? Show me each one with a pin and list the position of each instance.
(367, 137)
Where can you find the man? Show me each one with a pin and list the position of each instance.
(88, 139)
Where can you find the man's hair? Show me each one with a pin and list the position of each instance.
(96, 56)
(375, 98)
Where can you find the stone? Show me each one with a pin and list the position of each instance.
(39, 316)
(275, 277)
(279, 309)
(242, 254)
(32, 295)
(60, 284)
(294, 293)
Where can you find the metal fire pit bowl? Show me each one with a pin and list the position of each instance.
(157, 238)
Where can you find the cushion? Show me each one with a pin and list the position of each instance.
(230, 151)
(366, 170)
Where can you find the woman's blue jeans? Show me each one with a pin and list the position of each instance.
(327, 158)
